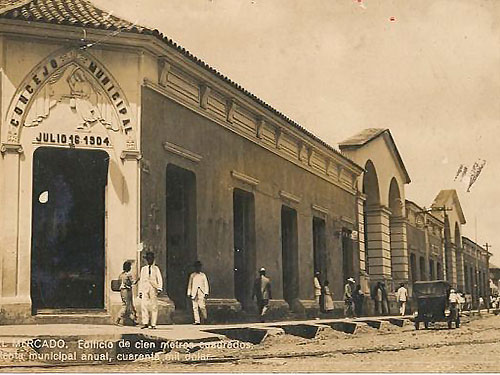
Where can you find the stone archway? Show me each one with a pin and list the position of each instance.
(459, 258)
(375, 225)
(397, 234)
(34, 99)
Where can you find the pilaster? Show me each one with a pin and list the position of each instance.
(399, 250)
(460, 269)
(378, 246)
(14, 299)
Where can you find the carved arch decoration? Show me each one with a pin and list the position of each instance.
(91, 91)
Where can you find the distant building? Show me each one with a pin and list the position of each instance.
(475, 268)
(425, 244)
(431, 245)
(494, 279)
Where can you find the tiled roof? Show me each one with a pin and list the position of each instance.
(6, 5)
(65, 12)
(82, 13)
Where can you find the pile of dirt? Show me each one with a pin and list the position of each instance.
(284, 339)
(331, 334)
(388, 329)
(363, 329)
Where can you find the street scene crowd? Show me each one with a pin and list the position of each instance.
(150, 285)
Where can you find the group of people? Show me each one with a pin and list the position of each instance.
(353, 296)
(495, 301)
(150, 285)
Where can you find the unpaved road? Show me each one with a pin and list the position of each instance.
(475, 347)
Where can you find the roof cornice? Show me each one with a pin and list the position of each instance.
(149, 43)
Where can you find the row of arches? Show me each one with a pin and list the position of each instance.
(386, 252)
(384, 231)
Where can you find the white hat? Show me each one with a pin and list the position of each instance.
(262, 269)
(452, 290)
(351, 280)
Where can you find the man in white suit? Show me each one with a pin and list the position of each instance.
(150, 284)
(198, 290)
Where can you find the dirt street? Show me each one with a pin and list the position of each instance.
(471, 348)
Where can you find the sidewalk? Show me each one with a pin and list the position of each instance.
(179, 332)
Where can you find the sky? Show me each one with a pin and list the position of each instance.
(427, 70)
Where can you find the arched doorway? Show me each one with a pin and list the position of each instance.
(397, 233)
(372, 202)
(459, 266)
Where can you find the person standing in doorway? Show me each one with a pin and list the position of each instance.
(348, 302)
(198, 290)
(150, 284)
(401, 298)
(317, 291)
(262, 292)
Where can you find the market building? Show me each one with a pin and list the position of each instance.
(116, 141)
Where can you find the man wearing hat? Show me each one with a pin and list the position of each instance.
(198, 290)
(317, 288)
(150, 284)
(262, 292)
(348, 312)
(401, 298)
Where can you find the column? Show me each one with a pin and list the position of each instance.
(364, 277)
(378, 247)
(399, 251)
(460, 269)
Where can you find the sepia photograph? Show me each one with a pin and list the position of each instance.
(249, 186)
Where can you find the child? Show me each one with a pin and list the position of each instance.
(127, 312)
(328, 298)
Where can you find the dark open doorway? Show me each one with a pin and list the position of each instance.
(319, 248)
(181, 231)
(67, 251)
(289, 246)
(244, 246)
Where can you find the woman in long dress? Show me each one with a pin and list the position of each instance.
(328, 297)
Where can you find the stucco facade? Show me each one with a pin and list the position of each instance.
(119, 112)
(37, 90)
(227, 162)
